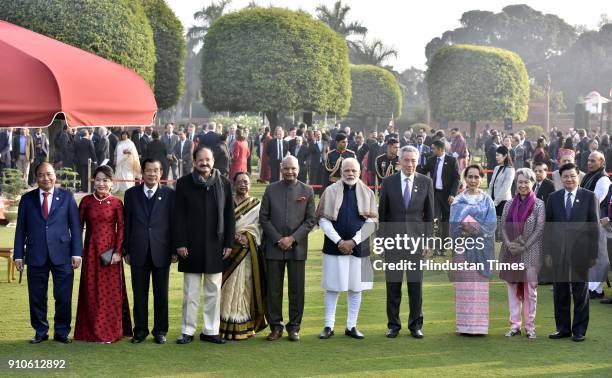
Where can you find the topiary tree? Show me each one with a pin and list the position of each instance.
(273, 60)
(170, 52)
(475, 83)
(375, 93)
(117, 30)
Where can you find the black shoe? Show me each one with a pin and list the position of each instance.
(578, 338)
(37, 339)
(326, 333)
(354, 333)
(606, 301)
(160, 339)
(62, 339)
(392, 333)
(215, 339)
(184, 339)
(559, 335)
(594, 295)
(417, 333)
(294, 336)
(137, 340)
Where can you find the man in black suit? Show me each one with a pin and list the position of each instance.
(147, 248)
(183, 152)
(543, 186)
(84, 151)
(210, 139)
(113, 139)
(570, 249)
(376, 149)
(361, 148)
(444, 172)
(406, 207)
(424, 152)
(317, 153)
(300, 151)
(277, 149)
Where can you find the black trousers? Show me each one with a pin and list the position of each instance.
(562, 294)
(275, 275)
(38, 283)
(274, 171)
(83, 175)
(141, 276)
(415, 299)
(442, 211)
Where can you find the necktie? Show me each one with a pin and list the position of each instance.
(537, 189)
(568, 206)
(149, 193)
(278, 147)
(45, 205)
(407, 193)
(182, 144)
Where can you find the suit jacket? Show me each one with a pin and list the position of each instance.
(187, 155)
(170, 142)
(287, 210)
(29, 147)
(102, 149)
(424, 151)
(546, 188)
(450, 174)
(146, 232)
(157, 150)
(210, 139)
(500, 189)
(42, 151)
(83, 150)
(58, 238)
(420, 208)
(375, 151)
(302, 156)
(316, 157)
(571, 242)
(272, 151)
(5, 148)
(360, 152)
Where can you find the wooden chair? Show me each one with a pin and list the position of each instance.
(7, 253)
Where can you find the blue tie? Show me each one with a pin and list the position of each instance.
(407, 194)
(568, 206)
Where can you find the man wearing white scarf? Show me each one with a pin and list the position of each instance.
(347, 213)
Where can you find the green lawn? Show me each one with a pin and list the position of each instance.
(440, 353)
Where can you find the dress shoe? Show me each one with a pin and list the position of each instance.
(294, 336)
(326, 333)
(354, 333)
(37, 339)
(417, 333)
(215, 339)
(559, 335)
(62, 339)
(275, 335)
(513, 332)
(160, 339)
(392, 333)
(606, 301)
(594, 295)
(137, 340)
(578, 338)
(184, 339)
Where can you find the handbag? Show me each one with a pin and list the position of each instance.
(106, 257)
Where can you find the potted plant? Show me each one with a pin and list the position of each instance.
(12, 187)
(67, 179)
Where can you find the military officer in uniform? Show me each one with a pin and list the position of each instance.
(333, 163)
(388, 164)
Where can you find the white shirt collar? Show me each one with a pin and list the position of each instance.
(145, 189)
(573, 193)
(40, 192)
(404, 177)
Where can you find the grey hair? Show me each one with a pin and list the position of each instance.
(406, 149)
(290, 157)
(527, 172)
(350, 160)
(101, 130)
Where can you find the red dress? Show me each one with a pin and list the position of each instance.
(264, 167)
(103, 312)
(239, 158)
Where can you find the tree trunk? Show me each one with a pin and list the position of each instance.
(307, 116)
(273, 119)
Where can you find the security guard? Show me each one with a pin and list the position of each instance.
(335, 157)
(387, 164)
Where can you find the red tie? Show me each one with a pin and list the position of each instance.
(45, 206)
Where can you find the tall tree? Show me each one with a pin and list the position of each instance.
(376, 93)
(272, 60)
(335, 18)
(371, 52)
(206, 17)
(475, 83)
(536, 37)
(170, 52)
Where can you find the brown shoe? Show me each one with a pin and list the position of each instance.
(275, 335)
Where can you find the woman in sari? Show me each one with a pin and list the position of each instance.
(264, 166)
(472, 215)
(522, 227)
(242, 288)
(127, 165)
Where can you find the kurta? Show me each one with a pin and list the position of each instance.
(103, 313)
(239, 158)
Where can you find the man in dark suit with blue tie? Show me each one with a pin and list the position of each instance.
(424, 152)
(148, 249)
(48, 239)
(406, 207)
(570, 249)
